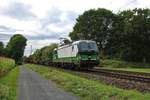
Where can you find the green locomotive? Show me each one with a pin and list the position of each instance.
(82, 54)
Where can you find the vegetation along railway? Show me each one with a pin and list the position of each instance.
(83, 55)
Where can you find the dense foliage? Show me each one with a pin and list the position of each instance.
(15, 48)
(95, 25)
(125, 35)
(43, 55)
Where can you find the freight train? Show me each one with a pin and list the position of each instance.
(82, 54)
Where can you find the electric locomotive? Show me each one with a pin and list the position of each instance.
(82, 54)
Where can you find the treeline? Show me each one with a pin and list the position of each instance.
(43, 55)
(125, 35)
(14, 49)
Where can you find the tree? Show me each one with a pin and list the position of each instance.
(16, 47)
(47, 52)
(36, 57)
(115, 40)
(125, 35)
(1, 49)
(43, 55)
(136, 34)
(94, 25)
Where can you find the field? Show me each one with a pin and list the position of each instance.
(8, 79)
(5, 65)
(87, 89)
(127, 66)
(8, 85)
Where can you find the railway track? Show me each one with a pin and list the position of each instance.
(126, 72)
(122, 79)
(131, 76)
(118, 74)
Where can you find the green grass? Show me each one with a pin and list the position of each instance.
(145, 70)
(5, 65)
(128, 66)
(87, 89)
(8, 85)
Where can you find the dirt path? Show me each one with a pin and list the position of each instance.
(33, 87)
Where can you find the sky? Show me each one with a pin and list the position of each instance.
(43, 22)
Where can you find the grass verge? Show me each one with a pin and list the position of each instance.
(127, 66)
(144, 70)
(8, 85)
(87, 89)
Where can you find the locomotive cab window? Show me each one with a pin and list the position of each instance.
(93, 46)
(88, 46)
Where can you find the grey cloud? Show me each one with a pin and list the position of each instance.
(4, 28)
(4, 37)
(54, 36)
(18, 11)
(131, 2)
(54, 17)
(71, 16)
(128, 3)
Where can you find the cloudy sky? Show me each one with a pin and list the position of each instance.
(44, 21)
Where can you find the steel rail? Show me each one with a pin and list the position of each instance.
(126, 72)
(120, 75)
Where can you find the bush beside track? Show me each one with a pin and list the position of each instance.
(6, 64)
(124, 65)
(113, 63)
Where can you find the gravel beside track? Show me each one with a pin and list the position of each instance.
(114, 80)
(122, 75)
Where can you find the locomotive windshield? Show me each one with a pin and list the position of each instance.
(88, 46)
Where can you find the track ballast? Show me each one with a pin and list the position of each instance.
(127, 75)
